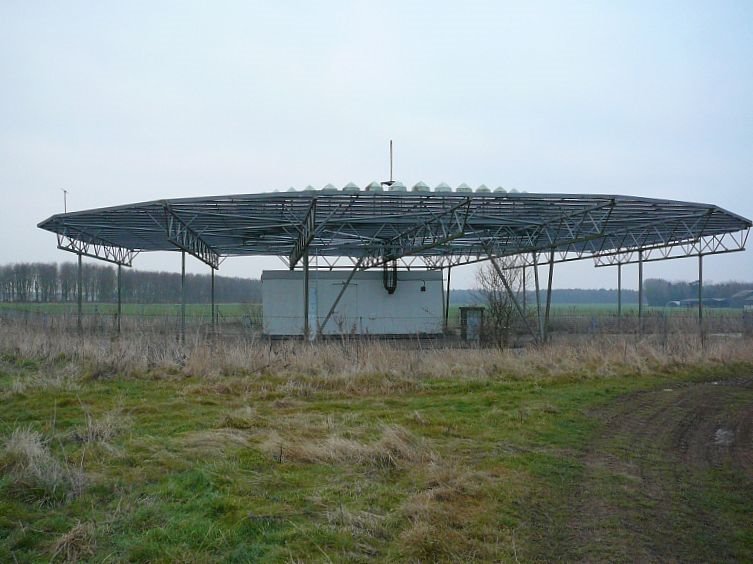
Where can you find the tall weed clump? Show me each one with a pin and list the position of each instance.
(35, 473)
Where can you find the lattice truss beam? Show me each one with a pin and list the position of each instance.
(710, 245)
(182, 236)
(96, 248)
(422, 230)
(434, 230)
(607, 243)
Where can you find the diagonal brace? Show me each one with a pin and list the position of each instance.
(512, 297)
(340, 295)
(186, 239)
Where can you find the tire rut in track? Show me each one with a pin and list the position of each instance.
(644, 476)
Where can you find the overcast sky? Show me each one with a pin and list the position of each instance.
(120, 102)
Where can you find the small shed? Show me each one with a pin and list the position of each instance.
(471, 323)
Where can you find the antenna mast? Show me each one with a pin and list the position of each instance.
(65, 200)
(391, 161)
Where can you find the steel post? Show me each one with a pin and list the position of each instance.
(120, 289)
(444, 308)
(306, 328)
(538, 295)
(447, 302)
(524, 287)
(182, 296)
(619, 295)
(640, 292)
(214, 319)
(80, 284)
(549, 295)
(700, 296)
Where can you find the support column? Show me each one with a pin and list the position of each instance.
(80, 284)
(538, 295)
(444, 307)
(306, 329)
(120, 288)
(524, 288)
(447, 302)
(619, 295)
(182, 296)
(549, 295)
(640, 292)
(214, 319)
(700, 296)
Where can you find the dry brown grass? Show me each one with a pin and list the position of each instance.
(357, 523)
(396, 447)
(287, 370)
(35, 472)
(212, 443)
(102, 429)
(341, 365)
(77, 544)
(243, 418)
(441, 516)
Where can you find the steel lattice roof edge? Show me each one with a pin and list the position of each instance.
(393, 224)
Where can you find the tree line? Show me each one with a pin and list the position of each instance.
(658, 291)
(569, 296)
(52, 282)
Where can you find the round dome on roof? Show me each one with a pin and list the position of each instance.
(397, 186)
(500, 190)
(351, 187)
(463, 188)
(329, 188)
(483, 189)
(513, 191)
(442, 187)
(374, 187)
(291, 189)
(421, 187)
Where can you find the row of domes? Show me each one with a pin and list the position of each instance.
(398, 186)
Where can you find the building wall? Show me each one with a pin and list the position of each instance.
(365, 308)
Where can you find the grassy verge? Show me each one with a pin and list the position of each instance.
(152, 451)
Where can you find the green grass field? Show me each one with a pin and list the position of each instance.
(356, 452)
(239, 310)
(147, 310)
(627, 310)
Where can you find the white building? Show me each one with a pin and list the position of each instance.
(366, 308)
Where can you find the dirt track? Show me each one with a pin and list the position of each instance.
(657, 479)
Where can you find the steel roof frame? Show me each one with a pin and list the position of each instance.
(423, 230)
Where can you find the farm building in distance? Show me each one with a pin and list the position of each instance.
(400, 232)
(742, 299)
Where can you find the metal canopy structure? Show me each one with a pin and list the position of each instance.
(422, 229)
(419, 229)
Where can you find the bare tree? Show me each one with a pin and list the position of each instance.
(500, 309)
